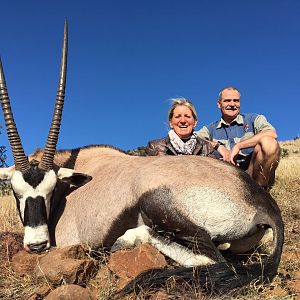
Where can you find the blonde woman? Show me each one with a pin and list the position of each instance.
(181, 139)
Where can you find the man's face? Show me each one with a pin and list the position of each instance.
(229, 105)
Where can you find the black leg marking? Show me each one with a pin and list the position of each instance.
(126, 220)
(157, 206)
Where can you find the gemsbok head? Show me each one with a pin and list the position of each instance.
(33, 182)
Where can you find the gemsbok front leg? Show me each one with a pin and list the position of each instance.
(203, 252)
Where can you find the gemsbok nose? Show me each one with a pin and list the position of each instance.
(38, 247)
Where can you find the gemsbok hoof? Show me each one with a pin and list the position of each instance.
(131, 238)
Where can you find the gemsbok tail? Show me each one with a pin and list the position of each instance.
(217, 278)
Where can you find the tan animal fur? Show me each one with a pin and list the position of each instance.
(119, 180)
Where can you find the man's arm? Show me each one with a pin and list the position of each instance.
(251, 142)
(262, 128)
(204, 134)
(254, 140)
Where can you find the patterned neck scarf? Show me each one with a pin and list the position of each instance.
(183, 147)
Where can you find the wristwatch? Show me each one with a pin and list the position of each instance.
(218, 144)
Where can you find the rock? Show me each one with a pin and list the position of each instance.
(70, 292)
(41, 292)
(68, 265)
(23, 263)
(33, 297)
(75, 252)
(127, 264)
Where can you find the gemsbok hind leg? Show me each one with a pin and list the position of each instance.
(203, 252)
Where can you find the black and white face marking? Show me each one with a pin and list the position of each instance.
(33, 190)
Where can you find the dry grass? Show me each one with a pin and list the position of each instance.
(286, 191)
(16, 287)
(9, 218)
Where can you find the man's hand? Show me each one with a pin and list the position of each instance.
(224, 153)
(234, 153)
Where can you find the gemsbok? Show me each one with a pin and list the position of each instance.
(187, 207)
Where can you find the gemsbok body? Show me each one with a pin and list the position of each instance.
(185, 206)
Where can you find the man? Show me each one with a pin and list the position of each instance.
(246, 140)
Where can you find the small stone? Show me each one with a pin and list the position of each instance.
(70, 292)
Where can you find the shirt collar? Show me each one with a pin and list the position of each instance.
(239, 120)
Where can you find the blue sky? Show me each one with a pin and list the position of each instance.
(128, 58)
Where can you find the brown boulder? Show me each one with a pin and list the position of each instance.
(41, 292)
(23, 263)
(75, 252)
(70, 292)
(127, 264)
(68, 265)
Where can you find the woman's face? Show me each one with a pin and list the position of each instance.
(183, 121)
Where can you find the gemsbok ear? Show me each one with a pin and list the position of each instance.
(6, 173)
(73, 178)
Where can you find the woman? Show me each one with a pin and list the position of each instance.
(181, 139)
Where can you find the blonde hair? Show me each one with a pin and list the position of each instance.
(185, 102)
(228, 88)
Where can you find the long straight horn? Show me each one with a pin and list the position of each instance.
(49, 152)
(20, 159)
